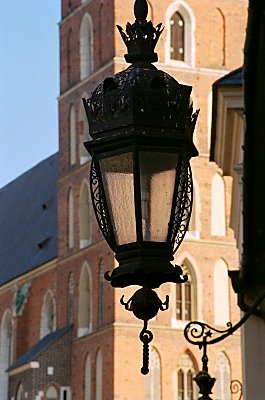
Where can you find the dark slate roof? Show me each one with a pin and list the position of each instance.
(40, 347)
(28, 220)
(234, 78)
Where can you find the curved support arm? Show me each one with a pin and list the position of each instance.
(199, 333)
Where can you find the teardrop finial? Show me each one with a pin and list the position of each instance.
(140, 9)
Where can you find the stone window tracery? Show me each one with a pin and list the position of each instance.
(223, 377)
(186, 388)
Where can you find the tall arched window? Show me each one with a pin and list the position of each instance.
(153, 379)
(20, 392)
(85, 302)
(70, 56)
(84, 216)
(218, 220)
(48, 317)
(223, 377)
(180, 24)
(71, 298)
(101, 295)
(86, 47)
(52, 393)
(88, 378)
(194, 224)
(99, 376)
(186, 304)
(72, 136)
(221, 293)
(177, 37)
(83, 132)
(6, 352)
(70, 222)
(186, 387)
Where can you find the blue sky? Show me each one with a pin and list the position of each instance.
(29, 84)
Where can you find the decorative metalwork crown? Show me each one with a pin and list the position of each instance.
(141, 37)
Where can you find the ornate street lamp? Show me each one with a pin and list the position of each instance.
(142, 123)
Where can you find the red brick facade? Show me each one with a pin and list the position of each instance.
(217, 28)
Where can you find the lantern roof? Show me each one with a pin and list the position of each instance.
(141, 96)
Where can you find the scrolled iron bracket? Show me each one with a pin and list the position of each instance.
(236, 388)
(201, 334)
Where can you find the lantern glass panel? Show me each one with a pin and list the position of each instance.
(118, 182)
(157, 181)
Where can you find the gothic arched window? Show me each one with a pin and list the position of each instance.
(72, 136)
(180, 22)
(186, 387)
(99, 376)
(20, 390)
(218, 221)
(186, 295)
(71, 298)
(86, 47)
(101, 298)
(70, 56)
(70, 222)
(153, 379)
(88, 378)
(52, 393)
(6, 352)
(85, 302)
(221, 293)
(47, 315)
(223, 377)
(84, 216)
(193, 231)
(177, 37)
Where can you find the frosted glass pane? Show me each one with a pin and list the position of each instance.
(117, 175)
(157, 178)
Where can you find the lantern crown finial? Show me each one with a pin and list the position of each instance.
(141, 37)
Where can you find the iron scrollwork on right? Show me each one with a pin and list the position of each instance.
(236, 388)
(201, 334)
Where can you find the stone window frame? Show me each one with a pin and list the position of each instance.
(48, 314)
(187, 14)
(221, 298)
(218, 206)
(72, 135)
(197, 290)
(186, 368)
(85, 215)
(223, 377)
(85, 301)
(86, 39)
(70, 219)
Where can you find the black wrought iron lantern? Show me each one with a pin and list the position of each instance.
(142, 122)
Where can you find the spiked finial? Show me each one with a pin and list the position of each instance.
(141, 37)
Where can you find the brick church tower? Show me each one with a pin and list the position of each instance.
(202, 41)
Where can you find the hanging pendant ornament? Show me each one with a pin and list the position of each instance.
(145, 305)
